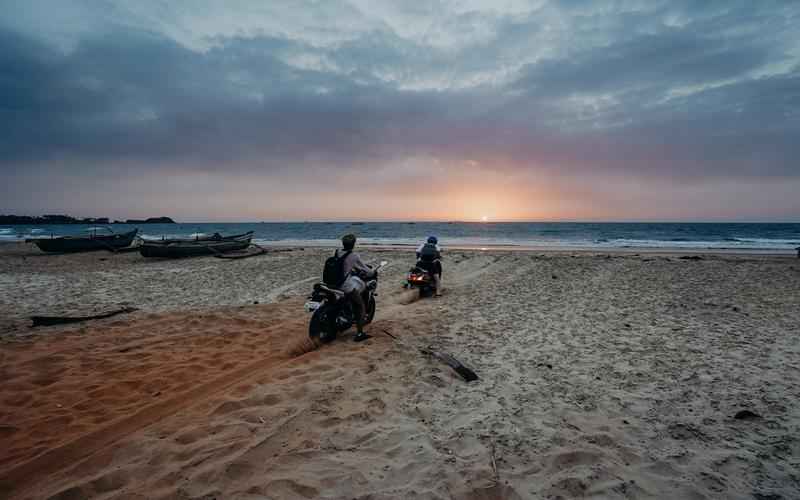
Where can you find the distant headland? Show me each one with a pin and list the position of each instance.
(66, 219)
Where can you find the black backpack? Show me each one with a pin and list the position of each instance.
(333, 272)
(428, 253)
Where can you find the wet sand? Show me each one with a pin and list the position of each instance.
(602, 376)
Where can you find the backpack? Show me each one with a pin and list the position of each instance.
(333, 272)
(428, 253)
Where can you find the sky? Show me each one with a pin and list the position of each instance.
(282, 110)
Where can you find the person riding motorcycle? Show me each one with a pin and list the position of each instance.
(355, 271)
(429, 256)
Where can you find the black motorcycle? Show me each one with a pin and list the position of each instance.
(332, 313)
(421, 279)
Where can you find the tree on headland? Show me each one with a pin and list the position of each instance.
(66, 219)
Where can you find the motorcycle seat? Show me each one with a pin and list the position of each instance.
(334, 291)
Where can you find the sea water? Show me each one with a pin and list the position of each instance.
(742, 236)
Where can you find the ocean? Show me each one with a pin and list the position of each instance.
(567, 235)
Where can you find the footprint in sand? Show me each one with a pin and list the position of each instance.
(238, 471)
(376, 406)
(18, 400)
(604, 440)
(110, 482)
(190, 437)
(45, 380)
(270, 400)
(74, 493)
(7, 431)
(228, 407)
(285, 488)
(571, 487)
(570, 459)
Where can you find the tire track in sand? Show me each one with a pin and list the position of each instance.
(23, 476)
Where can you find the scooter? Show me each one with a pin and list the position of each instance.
(332, 313)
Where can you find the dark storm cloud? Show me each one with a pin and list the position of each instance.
(140, 95)
(650, 61)
(671, 89)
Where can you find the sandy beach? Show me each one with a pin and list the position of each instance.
(601, 376)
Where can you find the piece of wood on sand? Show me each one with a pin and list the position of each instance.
(465, 372)
(60, 320)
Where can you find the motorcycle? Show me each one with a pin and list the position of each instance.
(422, 279)
(332, 313)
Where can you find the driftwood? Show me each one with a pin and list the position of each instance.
(60, 320)
(259, 250)
(465, 372)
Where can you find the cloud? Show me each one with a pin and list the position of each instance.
(661, 92)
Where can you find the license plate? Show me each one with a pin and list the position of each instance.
(312, 306)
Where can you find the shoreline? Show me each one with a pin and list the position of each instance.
(650, 250)
(602, 250)
(767, 252)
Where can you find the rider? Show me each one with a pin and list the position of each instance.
(354, 269)
(428, 258)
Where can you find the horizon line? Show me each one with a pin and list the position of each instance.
(113, 220)
(508, 221)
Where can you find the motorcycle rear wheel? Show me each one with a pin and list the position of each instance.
(321, 326)
(370, 310)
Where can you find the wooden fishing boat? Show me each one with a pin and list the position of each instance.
(205, 237)
(174, 249)
(72, 244)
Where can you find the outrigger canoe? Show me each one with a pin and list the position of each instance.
(72, 244)
(214, 245)
(202, 237)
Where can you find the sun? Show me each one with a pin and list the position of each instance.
(484, 218)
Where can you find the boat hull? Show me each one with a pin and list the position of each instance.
(205, 238)
(176, 250)
(73, 244)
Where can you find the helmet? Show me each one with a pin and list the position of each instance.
(432, 240)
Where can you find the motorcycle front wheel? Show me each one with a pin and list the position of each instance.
(370, 309)
(321, 326)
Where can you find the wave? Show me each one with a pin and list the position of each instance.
(8, 234)
(726, 244)
(764, 237)
(683, 243)
(770, 241)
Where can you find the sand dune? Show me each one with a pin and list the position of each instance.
(601, 377)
